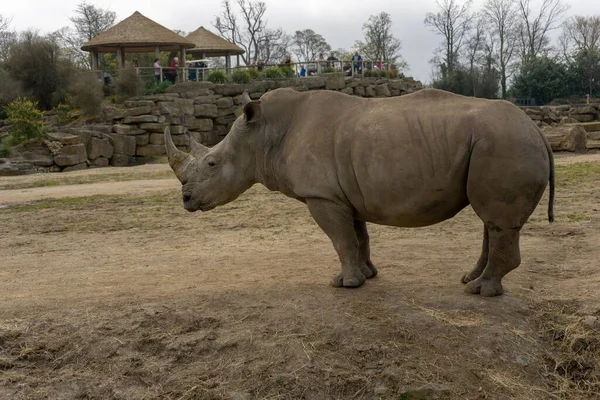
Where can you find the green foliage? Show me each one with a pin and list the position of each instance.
(128, 84)
(26, 121)
(273, 73)
(328, 70)
(157, 87)
(376, 74)
(217, 77)
(88, 94)
(5, 147)
(543, 79)
(253, 73)
(241, 76)
(288, 72)
(10, 89)
(63, 114)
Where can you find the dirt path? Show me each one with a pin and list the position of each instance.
(132, 297)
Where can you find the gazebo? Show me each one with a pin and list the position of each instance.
(207, 44)
(136, 34)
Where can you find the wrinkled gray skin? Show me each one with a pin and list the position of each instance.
(408, 161)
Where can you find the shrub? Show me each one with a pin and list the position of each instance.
(128, 84)
(5, 147)
(63, 114)
(241, 76)
(26, 121)
(272, 73)
(328, 70)
(88, 94)
(253, 73)
(157, 87)
(288, 72)
(217, 77)
(10, 89)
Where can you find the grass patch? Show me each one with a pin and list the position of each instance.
(577, 217)
(575, 174)
(60, 180)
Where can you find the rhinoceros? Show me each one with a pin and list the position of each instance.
(408, 161)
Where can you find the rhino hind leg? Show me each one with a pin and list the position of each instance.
(483, 259)
(504, 256)
(364, 250)
(338, 223)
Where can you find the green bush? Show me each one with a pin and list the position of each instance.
(25, 120)
(272, 73)
(217, 77)
(328, 70)
(5, 147)
(241, 76)
(288, 72)
(253, 73)
(128, 84)
(63, 114)
(10, 89)
(88, 94)
(157, 87)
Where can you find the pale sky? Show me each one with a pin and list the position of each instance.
(339, 22)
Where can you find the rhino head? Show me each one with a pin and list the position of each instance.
(214, 176)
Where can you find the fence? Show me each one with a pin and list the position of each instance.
(352, 68)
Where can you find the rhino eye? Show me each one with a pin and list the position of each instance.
(211, 164)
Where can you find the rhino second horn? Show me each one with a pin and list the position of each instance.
(178, 160)
(245, 98)
(197, 149)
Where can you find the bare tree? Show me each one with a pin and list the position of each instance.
(308, 45)
(502, 19)
(580, 42)
(474, 51)
(7, 37)
(380, 42)
(453, 22)
(248, 30)
(534, 28)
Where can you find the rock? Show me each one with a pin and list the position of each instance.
(151, 150)
(77, 167)
(125, 129)
(398, 85)
(225, 119)
(7, 169)
(177, 129)
(121, 160)
(314, 82)
(220, 131)
(203, 124)
(181, 140)
(566, 138)
(123, 144)
(592, 127)
(100, 128)
(99, 148)
(190, 87)
(101, 162)
(370, 91)
(584, 110)
(140, 119)
(162, 97)
(591, 322)
(134, 112)
(206, 110)
(111, 113)
(158, 138)
(139, 103)
(383, 90)
(359, 91)
(562, 108)
(535, 115)
(196, 93)
(71, 155)
(224, 102)
(154, 127)
(593, 135)
(41, 160)
(225, 111)
(206, 99)
(584, 117)
(142, 140)
(348, 90)
(568, 120)
(186, 106)
(335, 81)
(65, 139)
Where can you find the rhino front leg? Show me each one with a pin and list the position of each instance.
(364, 250)
(483, 259)
(337, 222)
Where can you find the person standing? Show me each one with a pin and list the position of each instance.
(173, 66)
(157, 70)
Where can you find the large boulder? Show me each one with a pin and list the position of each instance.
(566, 138)
(71, 155)
(123, 144)
(99, 148)
(7, 169)
(206, 110)
(66, 139)
(134, 112)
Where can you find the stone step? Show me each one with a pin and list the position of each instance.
(593, 145)
(591, 126)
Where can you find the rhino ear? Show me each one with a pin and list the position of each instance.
(252, 111)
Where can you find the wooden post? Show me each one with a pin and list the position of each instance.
(94, 54)
(238, 61)
(228, 64)
(182, 63)
(119, 58)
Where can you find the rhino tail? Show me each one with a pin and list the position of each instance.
(550, 178)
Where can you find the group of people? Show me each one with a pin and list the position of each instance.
(170, 73)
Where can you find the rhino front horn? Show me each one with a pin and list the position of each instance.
(178, 160)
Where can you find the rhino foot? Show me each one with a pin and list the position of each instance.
(348, 280)
(471, 276)
(484, 287)
(368, 270)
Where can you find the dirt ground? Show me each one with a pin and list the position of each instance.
(111, 290)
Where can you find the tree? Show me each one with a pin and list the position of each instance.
(7, 37)
(581, 48)
(542, 78)
(453, 22)
(379, 41)
(501, 16)
(308, 45)
(534, 29)
(474, 46)
(88, 22)
(251, 34)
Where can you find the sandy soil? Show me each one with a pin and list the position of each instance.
(111, 290)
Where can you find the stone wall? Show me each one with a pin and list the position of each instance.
(557, 115)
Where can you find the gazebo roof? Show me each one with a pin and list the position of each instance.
(211, 45)
(137, 34)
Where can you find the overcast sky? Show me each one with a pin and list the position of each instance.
(338, 21)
